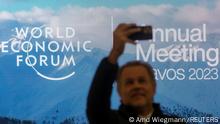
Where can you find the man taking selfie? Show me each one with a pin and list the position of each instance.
(136, 86)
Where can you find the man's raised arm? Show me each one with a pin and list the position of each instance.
(98, 104)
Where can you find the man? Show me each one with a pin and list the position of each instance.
(135, 83)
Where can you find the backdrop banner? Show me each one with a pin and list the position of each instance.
(50, 50)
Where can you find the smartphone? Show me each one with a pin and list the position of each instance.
(144, 34)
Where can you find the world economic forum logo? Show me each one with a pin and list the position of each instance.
(42, 48)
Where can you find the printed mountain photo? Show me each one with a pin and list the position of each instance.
(50, 51)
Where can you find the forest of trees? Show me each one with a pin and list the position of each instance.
(5, 120)
(75, 120)
(177, 110)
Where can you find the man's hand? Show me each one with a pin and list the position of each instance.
(120, 38)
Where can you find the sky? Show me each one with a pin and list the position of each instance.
(91, 18)
(18, 5)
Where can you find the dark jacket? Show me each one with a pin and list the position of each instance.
(99, 105)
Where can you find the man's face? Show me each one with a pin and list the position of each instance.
(136, 87)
